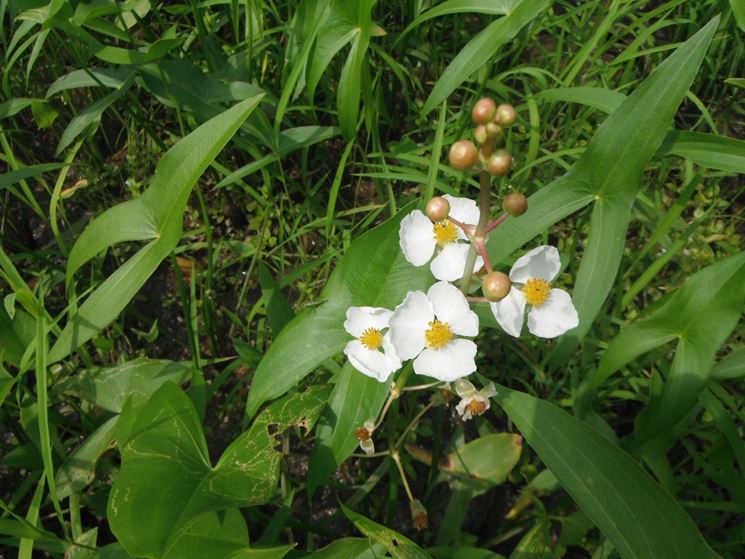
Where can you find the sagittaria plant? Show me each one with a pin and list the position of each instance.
(433, 329)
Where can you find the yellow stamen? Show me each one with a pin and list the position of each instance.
(371, 338)
(444, 232)
(536, 291)
(476, 406)
(438, 335)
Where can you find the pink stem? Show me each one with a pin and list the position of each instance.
(496, 223)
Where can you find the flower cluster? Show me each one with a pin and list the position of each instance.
(435, 329)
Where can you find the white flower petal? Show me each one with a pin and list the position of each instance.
(554, 317)
(417, 238)
(370, 362)
(450, 306)
(541, 263)
(390, 351)
(510, 312)
(450, 263)
(360, 319)
(409, 323)
(451, 362)
(464, 210)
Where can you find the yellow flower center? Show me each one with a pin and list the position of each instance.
(476, 406)
(536, 291)
(438, 335)
(444, 232)
(371, 338)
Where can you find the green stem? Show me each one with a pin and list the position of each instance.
(484, 207)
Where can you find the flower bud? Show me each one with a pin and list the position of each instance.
(496, 286)
(419, 515)
(480, 134)
(506, 114)
(515, 204)
(438, 208)
(500, 163)
(463, 155)
(484, 110)
(494, 131)
(464, 387)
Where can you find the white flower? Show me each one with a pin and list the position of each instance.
(473, 403)
(425, 328)
(371, 353)
(419, 237)
(552, 312)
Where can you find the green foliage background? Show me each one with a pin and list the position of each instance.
(192, 195)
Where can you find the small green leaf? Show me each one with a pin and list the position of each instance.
(489, 458)
(396, 544)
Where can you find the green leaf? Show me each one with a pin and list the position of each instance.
(492, 7)
(489, 458)
(265, 553)
(461, 552)
(536, 543)
(138, 379)
(16, 333)
(394, 543)
(166, 456)
(628, 506)
(707, 150)
(349, 548)
(157, 214)
(212, 535)
(13, 177)
(599, 98)
(354, 399)
(609, 174)
(700, 316)
(90, 77)
(481, 49)
(278, 310)
(79, 469)
(373, 272)
(731, 367)
(738, 9)
(91, 115)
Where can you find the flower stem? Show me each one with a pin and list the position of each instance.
(397, 459)
(497, 222)
(484, 207)
(396, 390)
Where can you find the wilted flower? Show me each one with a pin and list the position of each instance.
(371, 353)
(419, 237)
(473, 402)
(551, 310)
(425, 328)
(364, 436)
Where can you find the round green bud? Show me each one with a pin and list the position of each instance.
(515, 204)
(438, 208)
(463, 155)
(484, 110)
(500, 163)
(496, 286)
(494, 131)
(506, 114)
(480, 135)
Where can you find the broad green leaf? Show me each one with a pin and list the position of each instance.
(599, 98)
(536, 543)
(374, 273)
(167, 472)
(700, 316)
(263, 553)
(397, 545)
(609, 174)
(157, 214)
(481, 49)
(111, 387)
(16, 333)
(627, 505)
(354, 399)
(737, 82)
(212, 535)
(91, 115)
(14, 106)
(278, 310)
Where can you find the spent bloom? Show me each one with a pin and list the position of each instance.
(551, 310)
(364, 436)
(371, 353)
(425, 327)
(420, 237)
(473, 402)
